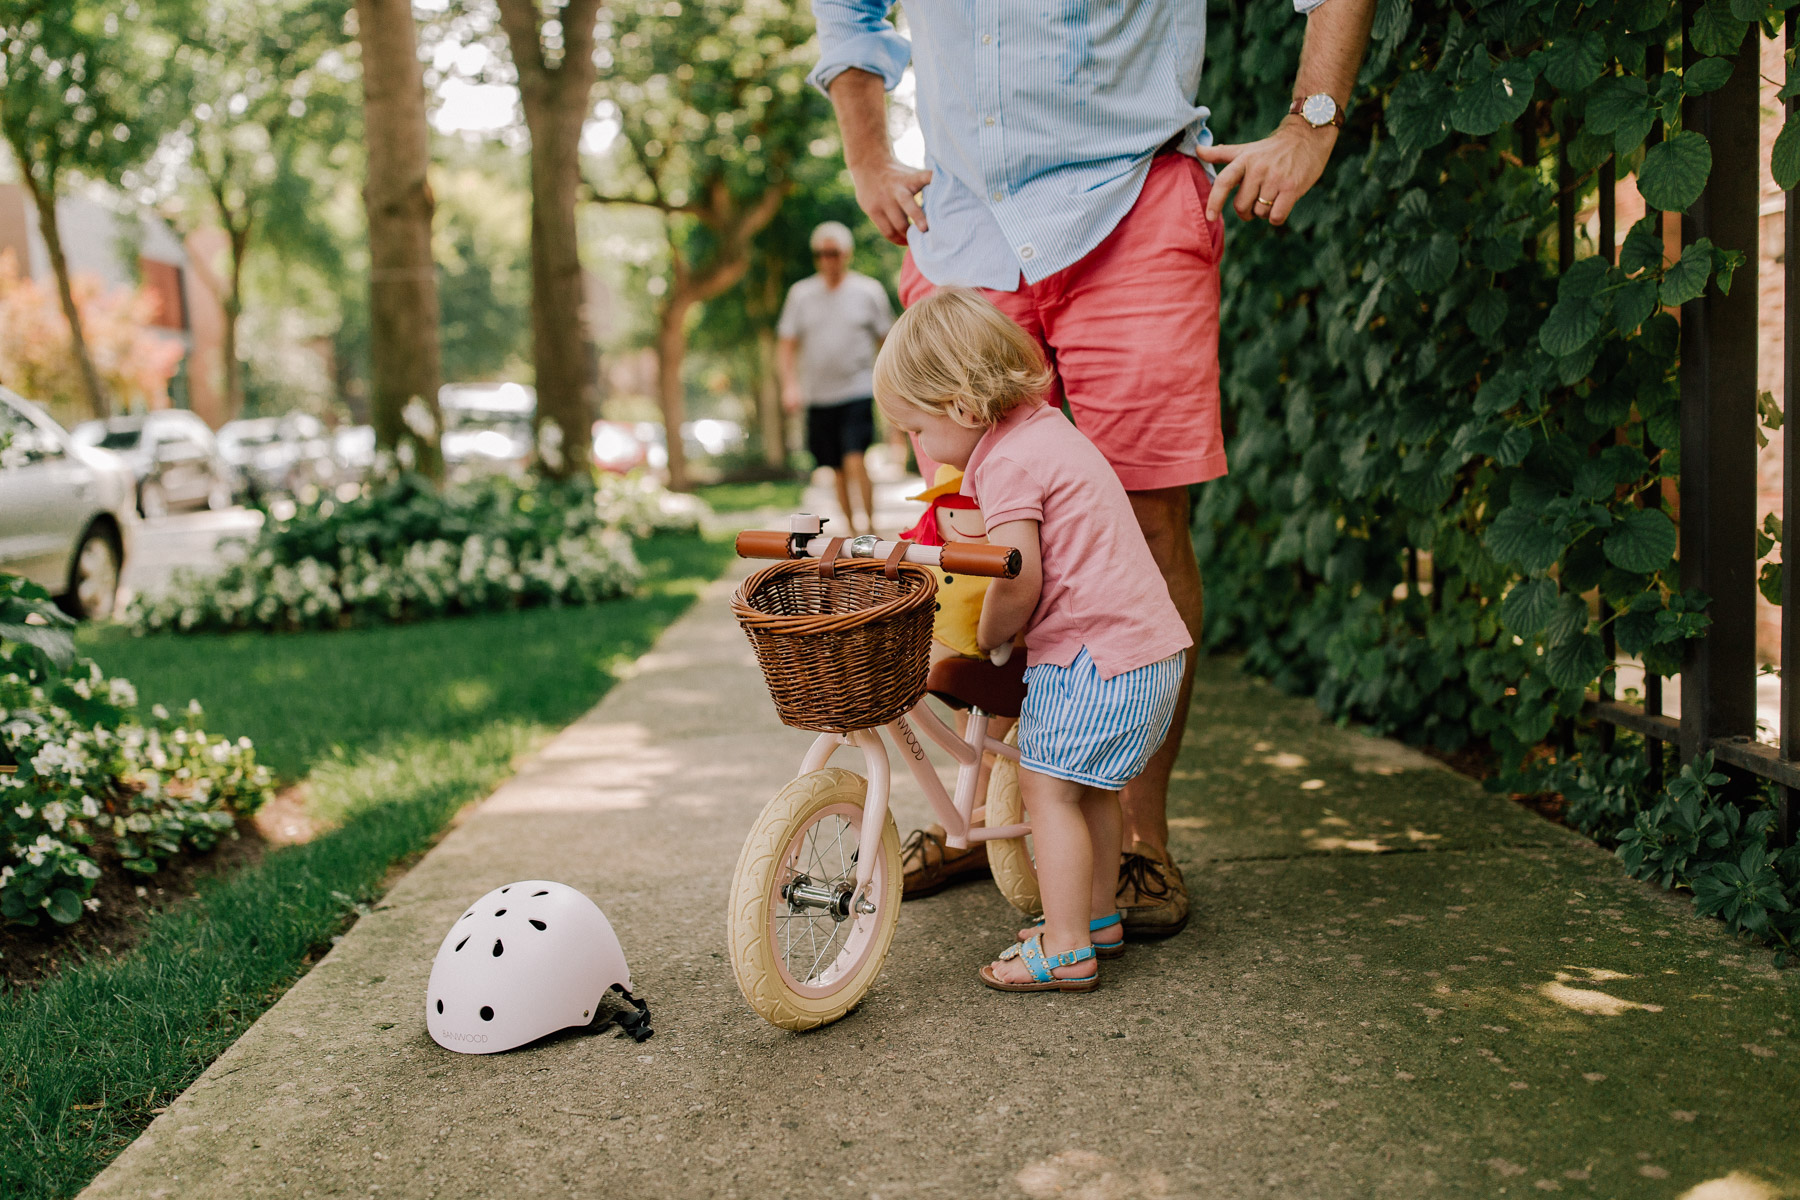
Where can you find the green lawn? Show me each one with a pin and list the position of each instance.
(784, 494)
(394, 729)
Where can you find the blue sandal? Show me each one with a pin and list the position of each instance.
(1103, 949)
(1031, 950)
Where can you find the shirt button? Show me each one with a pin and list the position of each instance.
(1027, 251)
(998, 195)
(987, 40)
(990, 120)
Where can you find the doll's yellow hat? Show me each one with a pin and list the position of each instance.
(948, 482)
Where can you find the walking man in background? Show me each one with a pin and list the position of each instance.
(831, 326)
(1063, 176)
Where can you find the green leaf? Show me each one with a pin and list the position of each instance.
(1685, 279)
(54, 644)
(1643, 246)
(1632, 305)
(1642, 541)
(1575, 61)
(1518, 536)
(1528, 606)
(1418, 111)
(65, 906)
(1615, 101)
(1576, 662)
(1514, 445)
(1768, 582)
(1572, 324)
(1707, 75)
(1568, 619)
(1492, 99)
(1487, 312)
(1784, 162)
(1675, 172)
(1716, 30)
(1725, 264)
(1585, 277)
(1428, 265)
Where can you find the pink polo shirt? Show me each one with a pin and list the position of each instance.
(1101, 586)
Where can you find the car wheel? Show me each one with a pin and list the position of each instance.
(152, 500)
(94, 578)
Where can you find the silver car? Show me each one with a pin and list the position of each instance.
(67, 512)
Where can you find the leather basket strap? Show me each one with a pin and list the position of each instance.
(828, 560)
(892, 567)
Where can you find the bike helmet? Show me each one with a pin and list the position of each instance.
(526, 960)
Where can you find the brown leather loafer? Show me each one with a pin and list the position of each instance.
(929, 866)
(1153, 897)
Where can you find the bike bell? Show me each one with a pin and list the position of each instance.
(526, 960)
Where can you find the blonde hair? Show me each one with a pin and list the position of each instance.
(953, 353)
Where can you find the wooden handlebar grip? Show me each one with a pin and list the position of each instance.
(961, 558)
(762, 543)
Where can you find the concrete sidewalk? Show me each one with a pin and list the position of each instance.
(1394, 985)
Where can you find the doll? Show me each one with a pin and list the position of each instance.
(952, 517)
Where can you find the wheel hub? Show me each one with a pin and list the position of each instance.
(801, 893)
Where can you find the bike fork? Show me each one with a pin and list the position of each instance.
(875, 800)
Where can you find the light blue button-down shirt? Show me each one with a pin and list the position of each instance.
(1040, 119)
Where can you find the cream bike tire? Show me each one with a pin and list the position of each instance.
(802, 967)
(1010, 858)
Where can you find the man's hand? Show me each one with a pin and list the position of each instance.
(886, 190)
(1270, 175)
(790, 397)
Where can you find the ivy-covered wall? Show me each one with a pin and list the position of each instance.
(1408, 373)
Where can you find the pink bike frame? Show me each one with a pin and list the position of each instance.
(959, 815)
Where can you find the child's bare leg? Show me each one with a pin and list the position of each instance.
(1100, 812)
(1065, 868)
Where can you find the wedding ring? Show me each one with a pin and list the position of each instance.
(1261, 200)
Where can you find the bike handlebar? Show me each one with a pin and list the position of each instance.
(957, 558)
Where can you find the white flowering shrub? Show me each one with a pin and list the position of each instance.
(85, 784)
(406, 551)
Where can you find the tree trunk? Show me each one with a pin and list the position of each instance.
(771, 416)
(234, 309)
(44, 199)
(671, 350)
(557, 99)
(403, 302)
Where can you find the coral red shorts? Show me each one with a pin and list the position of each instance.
(1132, 331)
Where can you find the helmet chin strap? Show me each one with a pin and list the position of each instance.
(635, 1020)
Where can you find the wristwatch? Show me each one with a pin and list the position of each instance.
(1317, 110)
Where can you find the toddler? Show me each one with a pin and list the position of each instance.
(1104, 643)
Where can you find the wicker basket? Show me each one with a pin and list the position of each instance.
(843, 645)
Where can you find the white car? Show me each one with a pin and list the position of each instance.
(68, 512)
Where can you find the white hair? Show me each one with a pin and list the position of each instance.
(836, 232)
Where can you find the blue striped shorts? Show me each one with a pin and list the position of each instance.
(1080, 727)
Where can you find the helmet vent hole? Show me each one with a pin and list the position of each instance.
(498, 948)
(440, 1006)
(500, 912)
(545, 892)
(506, 889)
(487, 1014)
(461, 944)
(468, 914)
(538, 925)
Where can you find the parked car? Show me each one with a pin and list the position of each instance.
(67, 511)
(279, 454)
(174, 456)
(622, 446)
(487, 427)
(353, 449)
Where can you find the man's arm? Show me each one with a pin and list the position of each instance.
(885, 186)
(787, 356)
(1282, 167)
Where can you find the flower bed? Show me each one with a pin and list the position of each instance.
(85, 784)
(406, 551)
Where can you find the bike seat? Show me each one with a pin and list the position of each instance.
(978, 683)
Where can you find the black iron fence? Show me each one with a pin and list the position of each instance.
(1718, 482)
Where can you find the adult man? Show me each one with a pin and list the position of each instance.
(1063, 150)
(831, 325)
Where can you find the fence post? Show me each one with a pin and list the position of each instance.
(1790, 487)
(1718, 413)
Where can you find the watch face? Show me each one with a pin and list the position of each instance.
(1319, 109)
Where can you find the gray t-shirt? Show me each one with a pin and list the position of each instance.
(838, 330)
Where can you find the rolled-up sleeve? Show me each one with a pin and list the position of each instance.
(1305, 6)
(857, 33)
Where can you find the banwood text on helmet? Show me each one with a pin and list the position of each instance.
(526, 960)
